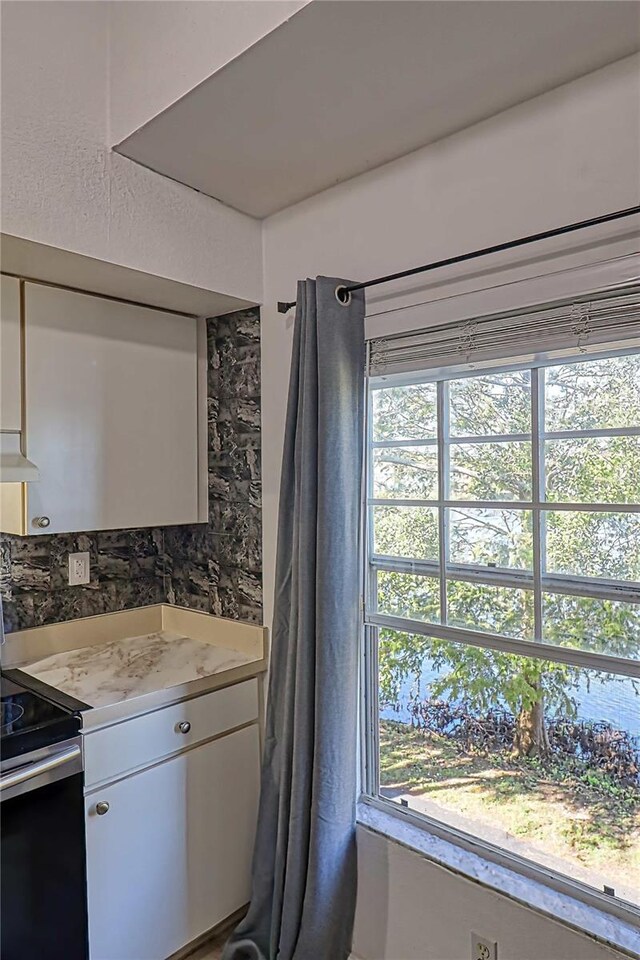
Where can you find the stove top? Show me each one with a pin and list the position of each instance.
(30, 719)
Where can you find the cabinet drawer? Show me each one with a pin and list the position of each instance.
(132, 744)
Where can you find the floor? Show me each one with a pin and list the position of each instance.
(211, 950)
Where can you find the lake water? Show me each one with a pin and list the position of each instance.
(614, 701)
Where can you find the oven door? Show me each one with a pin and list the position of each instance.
(43, 900)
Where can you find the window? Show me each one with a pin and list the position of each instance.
(503, 611)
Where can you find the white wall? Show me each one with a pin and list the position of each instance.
(62, 186)
(411, 909)
(565, 156)
(161, 50)
(570, 154)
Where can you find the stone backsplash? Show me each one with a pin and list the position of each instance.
(218, 567)
(215, 567)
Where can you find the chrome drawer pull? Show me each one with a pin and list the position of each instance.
(183, 727)
(102, 807)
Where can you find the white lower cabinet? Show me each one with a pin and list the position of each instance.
(170, 854)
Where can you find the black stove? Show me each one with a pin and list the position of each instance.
(43, 896)
(31, 718)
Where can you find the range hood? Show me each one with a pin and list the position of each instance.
(14, 466)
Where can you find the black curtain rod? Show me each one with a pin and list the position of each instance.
(343, 292)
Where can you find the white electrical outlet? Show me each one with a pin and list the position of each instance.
(79, 569)
(482, 949)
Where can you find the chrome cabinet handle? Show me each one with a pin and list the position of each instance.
(102, 807)
(183, 727)
(41, 521)
(28, 772)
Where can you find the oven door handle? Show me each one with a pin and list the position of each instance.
(31, 770)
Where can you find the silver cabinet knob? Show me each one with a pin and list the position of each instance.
(41, 521)
(102, 807)
(183, 727)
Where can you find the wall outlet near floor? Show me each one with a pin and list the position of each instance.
(482, 949)
(79, 568)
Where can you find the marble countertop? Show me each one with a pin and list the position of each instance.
(120, 671)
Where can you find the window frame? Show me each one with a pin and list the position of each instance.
(534, 580)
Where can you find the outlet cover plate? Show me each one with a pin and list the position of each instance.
(483, 949)
(79, 568)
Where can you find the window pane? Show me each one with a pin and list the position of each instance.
(593, 394)
(405, 413)
(603, 626)
(410, 532)
(487, 537)
(490, 471)
(491, 403)
(490, 609)
(605, 545)
(593, 470)
(405, 473)
(408, 595)
(539, 758)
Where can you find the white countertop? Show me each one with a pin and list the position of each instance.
(123, 669)
(128, 663)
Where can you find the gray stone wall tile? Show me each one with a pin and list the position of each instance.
(18, 612)
(71, 603)
(241, 520)
(138, 593)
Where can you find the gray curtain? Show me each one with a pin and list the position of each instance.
(304, 869)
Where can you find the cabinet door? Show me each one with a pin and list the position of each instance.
(112, 413)
(171, 857)
(10, 401)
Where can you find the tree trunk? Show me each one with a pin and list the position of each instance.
(531, 737)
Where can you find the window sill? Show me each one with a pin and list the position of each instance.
(585, 918)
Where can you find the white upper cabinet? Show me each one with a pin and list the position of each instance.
(14, 466)
(113, 414)
(10, 401)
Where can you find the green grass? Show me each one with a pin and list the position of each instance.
(581, 816)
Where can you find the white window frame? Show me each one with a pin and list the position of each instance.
(600, 588)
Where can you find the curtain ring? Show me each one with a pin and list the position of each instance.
(343, 295)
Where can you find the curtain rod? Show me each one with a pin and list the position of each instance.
(343, 292)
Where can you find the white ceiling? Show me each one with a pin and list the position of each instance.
(347, 85)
